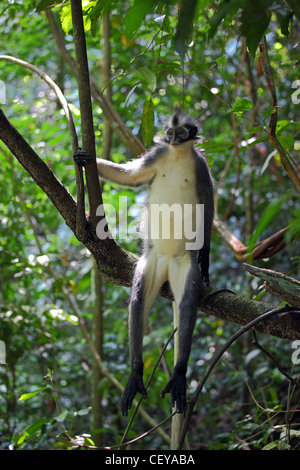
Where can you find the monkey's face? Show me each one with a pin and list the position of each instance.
(179, 129)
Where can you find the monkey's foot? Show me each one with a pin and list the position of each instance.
(134, 385)
(177, 388)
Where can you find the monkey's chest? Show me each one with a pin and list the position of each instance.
(171, 210)
(175, 185)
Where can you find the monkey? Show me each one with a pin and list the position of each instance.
(177, 175)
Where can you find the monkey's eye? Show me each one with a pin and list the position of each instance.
(170, 132)
(182, 132)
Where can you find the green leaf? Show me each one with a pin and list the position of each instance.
(267, 112)
(281, 124)
(100, 8)
(287, 141)
(271, 446)
(66, 19)
(26, 396)
(185, 25)
(31, 430)
(136, 14)
(216, 146)
(62, 416)
(255, 19)
(129, 94)
(293, 232)
(149, 77)
(46, 4)
(225, 8)
(148, 123)
(267, 161)
(265, 222)
(253, 130)
(257, 141)
(284, 19)
(241, 105)
(221, 61)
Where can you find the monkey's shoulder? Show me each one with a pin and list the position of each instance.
(183, 157)
(152, 155)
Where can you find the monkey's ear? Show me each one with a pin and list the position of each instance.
(193, 131)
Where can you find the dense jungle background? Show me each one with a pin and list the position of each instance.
(232, 64)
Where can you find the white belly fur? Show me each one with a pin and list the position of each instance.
(173, 187)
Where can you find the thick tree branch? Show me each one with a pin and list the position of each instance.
(87, 126)
(278, 284)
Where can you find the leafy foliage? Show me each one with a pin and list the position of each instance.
(195, 57)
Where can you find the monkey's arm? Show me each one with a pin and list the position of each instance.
(133, 173)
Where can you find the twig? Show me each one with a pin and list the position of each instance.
(60, 96)
(236, 140)
(133, 441)
(216, 359)
(267, 353)
(265, 410)
(273, 119)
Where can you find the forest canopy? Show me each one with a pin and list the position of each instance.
(104, 76)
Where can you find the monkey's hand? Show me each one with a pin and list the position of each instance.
(177, 388)
(81, 157)
(134, 385)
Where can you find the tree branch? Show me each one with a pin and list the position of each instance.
(262, 249)
(278, 284)
(273, 119)
(87, 126)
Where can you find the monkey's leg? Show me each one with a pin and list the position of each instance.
(204, 260)
(186, 284)
(150, 274)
